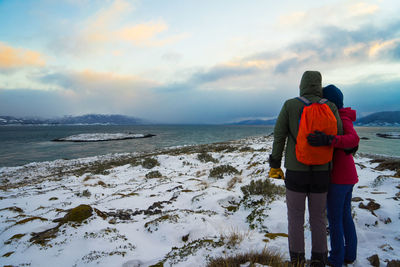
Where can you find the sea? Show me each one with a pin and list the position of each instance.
(20, 145)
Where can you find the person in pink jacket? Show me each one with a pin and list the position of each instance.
(343, 237)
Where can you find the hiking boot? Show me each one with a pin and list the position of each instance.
(297, 259)
(318, 259)
(348, 262)
(317, 263)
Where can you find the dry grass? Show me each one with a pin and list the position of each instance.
(264, 257)
(231, 184)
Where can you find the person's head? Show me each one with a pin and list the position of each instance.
(311, 83)
(333, 94)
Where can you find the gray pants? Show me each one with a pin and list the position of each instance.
(295, 202)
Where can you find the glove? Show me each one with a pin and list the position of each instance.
(319, 139)
(276, 173)
(352, 150)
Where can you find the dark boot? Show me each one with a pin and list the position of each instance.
(297, 259)
(318, 259)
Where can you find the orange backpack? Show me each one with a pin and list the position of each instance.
(315, 117)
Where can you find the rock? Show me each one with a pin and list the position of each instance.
(185, 238)
(389, 135)
(393, 263)
(357, 199)
(371, 206)
(112, 221)
(374, 260)
(364, 138)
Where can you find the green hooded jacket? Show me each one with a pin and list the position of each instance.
(287, 123)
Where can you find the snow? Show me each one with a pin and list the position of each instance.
(160, 212)
(93, 137)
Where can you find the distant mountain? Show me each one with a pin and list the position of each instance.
(385, 118)
(255, 122)
(89, 119)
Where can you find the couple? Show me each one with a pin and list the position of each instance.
(325, 186)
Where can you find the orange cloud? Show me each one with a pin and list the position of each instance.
(141, 33)
(361, 9)
(16, 57)
(378, 46)
(105, 27)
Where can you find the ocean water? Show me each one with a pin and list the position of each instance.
(20, 145)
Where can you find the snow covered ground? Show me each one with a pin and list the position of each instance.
(175, 207)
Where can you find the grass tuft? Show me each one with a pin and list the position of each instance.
(220, 171)
(153, 174)
(263, 187)
(265, 257)
(150, 163)
(206, 157)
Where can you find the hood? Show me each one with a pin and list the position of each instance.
(348, 112)
(311, 84)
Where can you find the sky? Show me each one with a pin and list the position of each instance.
(187, 61)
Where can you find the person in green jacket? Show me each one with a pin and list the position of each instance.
(302, 181)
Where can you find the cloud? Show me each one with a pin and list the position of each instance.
(114, 26)
(13, 58)
(335, 47)
(344, 13)
(361, 9)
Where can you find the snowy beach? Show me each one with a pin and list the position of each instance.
(174, 207)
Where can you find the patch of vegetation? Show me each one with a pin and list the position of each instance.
(233, 182)
(53, 198)
(126, 195)
(87, 178)
(179, 254)
(256, 195)
(206, 157)
(226, 148)
(263, 187)
(153, 174)
(150, 163)
(265, 258)
(246, 149)
(257, 216)
(14, 237)
(387, 164)
(153, 225)
(30, 219)
(86, 193)
(8, 254)
(379, 180)
(101, 183)
(220, 171)
(42, 238)
(275, 235)
(158, 264)
(14, 209)
(233, 238)
(77, 214)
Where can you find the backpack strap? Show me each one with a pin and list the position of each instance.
(323, 101)
(304, 100)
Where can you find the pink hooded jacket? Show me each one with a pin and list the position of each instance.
(344, 169)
